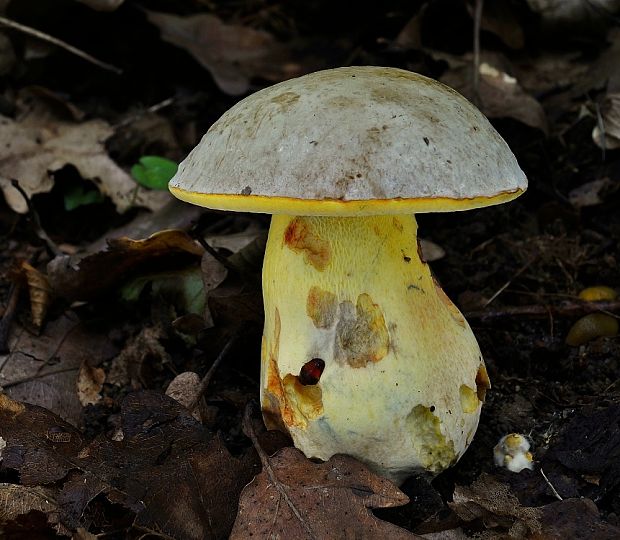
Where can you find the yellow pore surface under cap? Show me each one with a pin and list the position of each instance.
(404, 379)
(334, 207)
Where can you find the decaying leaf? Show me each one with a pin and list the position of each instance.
(499, 509)
(233, 54)
(608, 134)
(184, 388)
(501, 96)
(16, 501)
(591, 193)
(32, 149)
(40, 293)
(90, 381)
(178, 479)
(126, 368)
(84, 278)
(42, 370)
(302, 499)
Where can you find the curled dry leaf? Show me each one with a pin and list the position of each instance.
(90, 381)
(32, 149)
(85, 278)
(40, 293)
(501, 512)
(607, 135)
(301, 499)
(233, 54)
(184, 388)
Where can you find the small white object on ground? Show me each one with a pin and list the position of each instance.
(512, 452)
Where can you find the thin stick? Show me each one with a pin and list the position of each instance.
(509, 282)
(9, 315)
(542, 311)
(558, 496)
(152, 109)
(248, 429)
(477, 22)
(59, 43)
(204, 383)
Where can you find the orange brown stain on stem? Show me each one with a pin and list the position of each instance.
(300, 237)
(361, 333)
(321, 307)
(482, 382)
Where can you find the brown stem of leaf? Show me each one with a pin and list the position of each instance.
(248, 429)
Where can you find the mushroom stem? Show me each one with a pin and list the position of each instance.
(363, 353)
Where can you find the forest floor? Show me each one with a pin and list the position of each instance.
(112, 289)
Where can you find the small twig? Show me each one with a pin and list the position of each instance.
(509, 282)
(36, 222)
(9, 315)
(557, 495)
(15, 382)
(248, 429)
(477, 23)
(204, 383)
(152, 109)
(59, 43)
(542, 311)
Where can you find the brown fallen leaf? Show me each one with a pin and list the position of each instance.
(16, 501)
(296, 498)
(501, 95)
(232, 53)
(42, 370)
(498, 507)
(183, 388)
(34, 147)
(89, 383)
(177, 478)
(608, 134)
(40, 293)
(85, 278)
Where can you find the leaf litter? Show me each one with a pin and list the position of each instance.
(132, 311)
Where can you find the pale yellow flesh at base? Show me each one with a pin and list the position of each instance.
(403, 378)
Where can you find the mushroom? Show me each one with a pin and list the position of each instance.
(362, 353)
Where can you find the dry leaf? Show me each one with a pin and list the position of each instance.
(16, 501)
(35, 147)
(126, 368)
(47, 365)
(609, 136)
(40, 293)
(500, 510)
(85, 278)
(178, 479)
(89, 383)
(311, 500)
(233, 54)
(184, 388)
(501, 95)
(590, 193)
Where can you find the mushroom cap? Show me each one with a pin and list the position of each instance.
(351, 141)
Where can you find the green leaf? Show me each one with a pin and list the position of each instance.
(80, 196)
(154, 172)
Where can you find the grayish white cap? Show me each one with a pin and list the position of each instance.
(351, 141)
